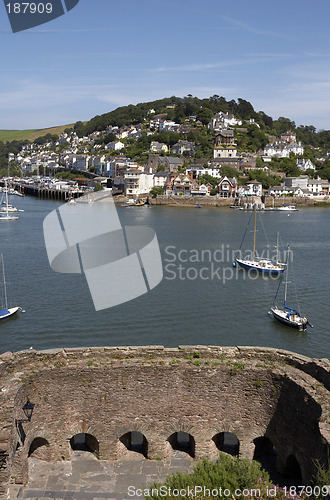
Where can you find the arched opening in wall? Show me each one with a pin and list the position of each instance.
(37, 443)
(227, 442)
(85, 442)
(182, 441)
(265, 454)
(292, 469)
(135, 441)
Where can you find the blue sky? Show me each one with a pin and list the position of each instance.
(104, 54)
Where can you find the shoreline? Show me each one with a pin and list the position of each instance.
(213, 201)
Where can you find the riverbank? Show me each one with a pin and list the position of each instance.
(214, 201)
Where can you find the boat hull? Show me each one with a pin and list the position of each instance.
(8, 313)
(286, 208)
(281, 318)
(4, 216)
(8, 209)
(259, 267)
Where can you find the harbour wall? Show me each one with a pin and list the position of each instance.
(215, 201)
(106, 393)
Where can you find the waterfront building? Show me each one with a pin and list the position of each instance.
(228, 188)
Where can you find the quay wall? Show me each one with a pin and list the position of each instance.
(214, 201)
(46, 193)
(108, 392)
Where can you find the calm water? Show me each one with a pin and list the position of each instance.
(60, 312)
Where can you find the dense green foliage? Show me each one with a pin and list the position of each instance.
(322, 475)
(286, 165)
(267, 180)
(227, 473)
(203, 110)
(6, 148)
(208, 179)
(250, 137)
(157, 190)
(69, 175)
(46, 138)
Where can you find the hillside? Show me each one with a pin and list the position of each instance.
(30, 135)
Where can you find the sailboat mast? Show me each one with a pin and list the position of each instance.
(254, 232)
(286, 275)
(4, 281)
(6, 189)
(277, 248)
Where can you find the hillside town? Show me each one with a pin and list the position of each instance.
(173, 170)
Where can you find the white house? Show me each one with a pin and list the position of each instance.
(182, 147)
(158, 147)
(160, 179)
(294, 182)
(295, 148)
(315, 187)
(279, 190)
(137, 183)
(222, 120)
(251, 188)
(304, 165)
(168, 126)
(225, 151)
(195, 171)
(283, 150)
(115, 146)
(199, 190)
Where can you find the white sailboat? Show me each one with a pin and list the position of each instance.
(287, 315)
(261, 265)
(7, 212)
(286, 208)
(6, 312)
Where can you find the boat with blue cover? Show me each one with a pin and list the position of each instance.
(288, 316)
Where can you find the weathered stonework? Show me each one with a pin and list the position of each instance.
(202, 390)
(214, 201)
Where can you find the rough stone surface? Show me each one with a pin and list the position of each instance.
(201, 390)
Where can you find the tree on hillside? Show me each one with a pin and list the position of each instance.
(267, 120)
(266, 179)
(307, 135)
(244, 109)
(205, 115)
(208, 179)
(79, 128)
(286, 165)
(229, 171)
(111, 137)
(282, 125)
(46, 138)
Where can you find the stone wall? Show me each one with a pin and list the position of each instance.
(201, 390)
(215, 201)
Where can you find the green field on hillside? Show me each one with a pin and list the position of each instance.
(30, 135)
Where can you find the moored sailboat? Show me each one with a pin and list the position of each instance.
(266, 266)
(6, 312)
(8, 212)
(287, 315)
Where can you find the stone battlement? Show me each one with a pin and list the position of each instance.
(105, 393)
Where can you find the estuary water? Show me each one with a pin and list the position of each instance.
(201, 299)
